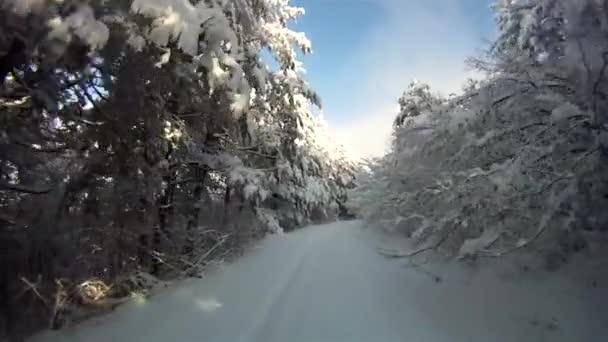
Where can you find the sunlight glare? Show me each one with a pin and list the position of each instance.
(208, 305)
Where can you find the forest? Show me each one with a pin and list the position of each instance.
(145, 140)
(518, 159)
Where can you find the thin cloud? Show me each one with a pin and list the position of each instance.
(427, 40)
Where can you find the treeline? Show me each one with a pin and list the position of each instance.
(519, 160)
(143, 139)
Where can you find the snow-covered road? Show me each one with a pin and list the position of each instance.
(328, 283)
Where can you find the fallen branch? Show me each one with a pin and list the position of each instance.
(436, 278)
(204, 256)
(157, 257)
(394, 254)
(541, 229)
(33, 287)
(24, 189)
(62, 299)
(496, 254)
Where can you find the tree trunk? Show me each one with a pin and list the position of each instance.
(226, 203)
(143, 240)
(201, 175)
(165, 214)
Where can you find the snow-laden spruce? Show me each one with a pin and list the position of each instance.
(152, 137)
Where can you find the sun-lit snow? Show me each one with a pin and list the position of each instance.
(82, 24)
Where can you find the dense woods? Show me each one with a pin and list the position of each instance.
(518, 161)
(141, 140)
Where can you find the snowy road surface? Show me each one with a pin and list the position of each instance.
(328, 283)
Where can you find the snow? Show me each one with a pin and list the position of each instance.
(564, 111)
(164, 58)
(240, 103)
(94, 33)
(176, 19)
(136, 42)
(251, 179)
(474, 246)
(542, 57)
(270, 220)
(460, 118)
(216, 75)
(328, 283)
(83, 24)
(489, 135)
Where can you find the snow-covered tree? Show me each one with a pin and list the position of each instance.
(518, 160)
(568, 37)
(416, 100)
(151, 136)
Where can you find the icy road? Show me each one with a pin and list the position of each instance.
(328, 283)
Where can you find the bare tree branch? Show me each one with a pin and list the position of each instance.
(24, 189)
(34, 288)
(391, 253)
(202, 258)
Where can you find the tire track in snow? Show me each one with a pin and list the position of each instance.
(278, 291)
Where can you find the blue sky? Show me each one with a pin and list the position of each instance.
(367, 51)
